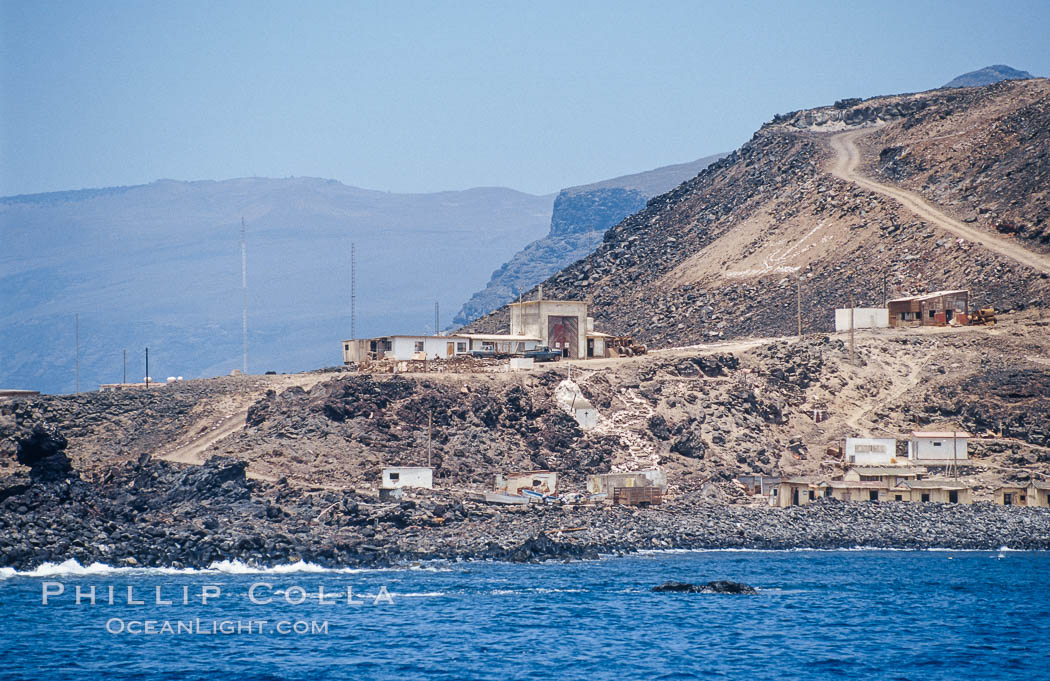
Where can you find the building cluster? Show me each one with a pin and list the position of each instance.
(881, 469)
(561, 325)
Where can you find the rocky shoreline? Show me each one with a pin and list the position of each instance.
(156, 514)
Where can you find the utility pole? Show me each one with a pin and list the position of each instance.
(851, 345)
(244, 300)
(76, 353)
(437, 319)
(798, 304)
(125, 379)
(147, 368)
(430, 427)
(353, 291)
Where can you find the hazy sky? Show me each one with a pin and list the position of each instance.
(425, 96)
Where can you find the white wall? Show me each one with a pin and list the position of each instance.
(927, 449)
(887, 445)
(863, 318)
(408, 477)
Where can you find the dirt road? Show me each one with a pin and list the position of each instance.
(845, 167)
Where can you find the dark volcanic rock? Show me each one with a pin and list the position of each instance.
(717, 587)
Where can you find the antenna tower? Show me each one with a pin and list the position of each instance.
(244, 300)
(353, 291)
(437, 317)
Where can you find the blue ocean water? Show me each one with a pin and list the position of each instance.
(819, 615)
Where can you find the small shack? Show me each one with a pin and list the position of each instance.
(930, 309)
(798, 491)
(606, 483)
(638, 496)
(871, 450)
(544, 482)
(938, 448)
(407, 476)
(937, 490)
(888, 476)
(1036, 494)
(759, 484)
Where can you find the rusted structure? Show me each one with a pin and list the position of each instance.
(638, 496)
(930, 309)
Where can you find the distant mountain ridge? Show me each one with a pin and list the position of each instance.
(987, 76)
(581, 216)
(158, 265)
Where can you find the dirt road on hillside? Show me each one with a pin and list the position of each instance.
(845, 167)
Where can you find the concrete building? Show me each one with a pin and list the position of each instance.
(888, 476)
(934, 490)
(863, 318)
(930, 309)
(507, 344)
(605, 483)
(870, 450)
(799, 491)
(938, 448)
(1036, 494)
(407, 476)
(403, 347)
(560, 325)
(545, 482)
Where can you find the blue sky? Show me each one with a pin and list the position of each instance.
(427, 96)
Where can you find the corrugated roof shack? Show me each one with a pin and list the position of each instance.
(930, 309)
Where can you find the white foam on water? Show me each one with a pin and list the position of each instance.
(72, 568)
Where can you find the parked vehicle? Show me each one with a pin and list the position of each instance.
(543, 354)
(483, 354)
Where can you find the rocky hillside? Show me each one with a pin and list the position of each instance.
(987, 76)
(580, 218)
(724, 254)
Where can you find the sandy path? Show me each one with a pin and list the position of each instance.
(845, 167)
(231, 419)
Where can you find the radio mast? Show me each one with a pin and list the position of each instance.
(353, 291)
(244, 300)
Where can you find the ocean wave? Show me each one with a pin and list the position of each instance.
(72, 568)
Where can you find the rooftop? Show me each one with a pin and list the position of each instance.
(927, 296)
(939, 434)
(887, 470)
(498, 337)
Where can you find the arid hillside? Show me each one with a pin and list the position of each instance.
(871, 199)
(705, 414)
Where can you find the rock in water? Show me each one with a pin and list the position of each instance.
(717, 587)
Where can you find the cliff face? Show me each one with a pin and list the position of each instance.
(723, 254)
(580, 218)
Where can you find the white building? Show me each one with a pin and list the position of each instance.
(560, 325)
(408, 476)
(938, 448)
(863, 318)
(870, 450)
(404, 347)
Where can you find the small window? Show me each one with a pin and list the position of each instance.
(931, 314)
(812, 495)
(536, 483)
(419, 346)
(898, 497)
(925, 497)
(346, 346)
(461, 347)
(394, 477)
